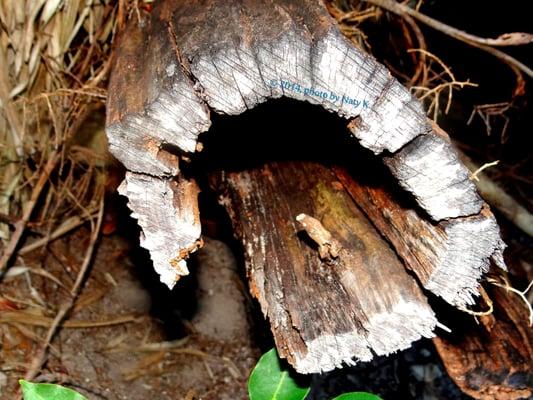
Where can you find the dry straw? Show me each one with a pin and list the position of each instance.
(54, 61)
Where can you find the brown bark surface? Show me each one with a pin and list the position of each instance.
(331, 287)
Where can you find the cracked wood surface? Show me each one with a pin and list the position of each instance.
(323, 312)
(190, 57)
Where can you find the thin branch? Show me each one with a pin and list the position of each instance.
(519, 293)
(482, 168)
(508, 39)
(67, 226)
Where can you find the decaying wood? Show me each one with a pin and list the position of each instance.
(152, 103)
(492, 359)
(168, 203)
(328, 309)
(448, 258)
(189, 57)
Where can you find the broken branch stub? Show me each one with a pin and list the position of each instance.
(328, 246)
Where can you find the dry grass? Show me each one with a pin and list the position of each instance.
(55, 58)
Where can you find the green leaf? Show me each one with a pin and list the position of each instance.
(357, 396)
(48, 391)
(272, 380)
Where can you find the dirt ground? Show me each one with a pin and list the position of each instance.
(154, 343)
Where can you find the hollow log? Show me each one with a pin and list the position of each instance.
(492, 359)
(332, 288)
(188, 60)
(172, 69)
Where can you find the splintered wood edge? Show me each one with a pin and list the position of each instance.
(167, 211)
(173, 71)
(472, 243)
(327, 352)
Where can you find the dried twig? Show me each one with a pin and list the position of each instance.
(488, 111)
(350, 21)
(489, 302)
(40, 358)
(521, 293)
(27, 318)
(66, 227)
(508, 39)
(436, 91)
(20, 226)
(474, 175)
(152, 347)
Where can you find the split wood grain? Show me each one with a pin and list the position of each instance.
(449, 258)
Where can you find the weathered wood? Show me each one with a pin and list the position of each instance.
(428, 167)
(492, 359)
(329, 305)
(260, 45)
(189, 57)
(169, 203)
(152, 103)
(449, 258)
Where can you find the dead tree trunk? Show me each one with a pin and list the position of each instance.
(189, 59)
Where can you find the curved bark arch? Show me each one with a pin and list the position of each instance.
(171, 72)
